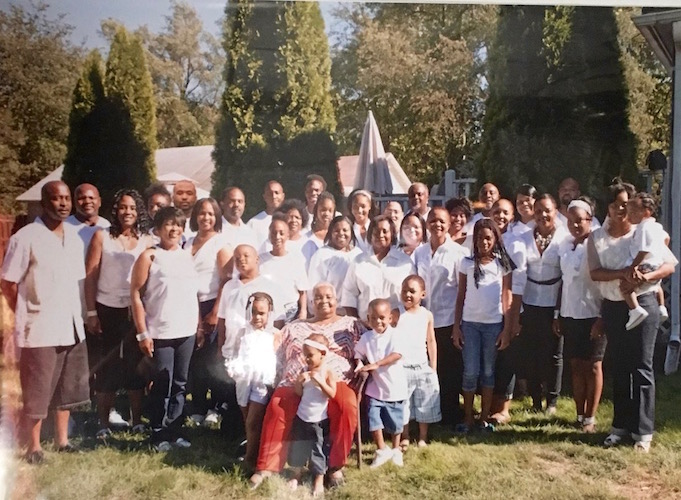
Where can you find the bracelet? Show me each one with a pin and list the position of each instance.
(91, 314)
(556, 313)
(142, 336)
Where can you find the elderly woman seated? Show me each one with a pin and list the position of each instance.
(342, 333)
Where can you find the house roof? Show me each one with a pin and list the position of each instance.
(657, 28)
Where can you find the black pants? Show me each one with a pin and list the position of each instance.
(632, 365)
(541, 360)
(167, 395)
(504, 370)
(310, 440)
(450, 373)
(204, 370)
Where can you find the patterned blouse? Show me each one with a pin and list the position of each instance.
(343, 334)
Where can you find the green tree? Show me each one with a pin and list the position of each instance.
(558, 101)
(420, 69)
(112, 140)
(38, 67)
(276, 111)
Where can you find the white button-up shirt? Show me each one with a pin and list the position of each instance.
(368, 279)
(260, 224)
(47, 271)
(440, 271)
(580, 296)
(542, 267)
(516, 248)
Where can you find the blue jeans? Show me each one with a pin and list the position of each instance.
(479, 353)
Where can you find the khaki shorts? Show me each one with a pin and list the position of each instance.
(53, 377)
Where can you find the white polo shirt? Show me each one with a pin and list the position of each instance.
(239, 234)
(388, 382)
(47, 271)
(440, 271)
(368, 279)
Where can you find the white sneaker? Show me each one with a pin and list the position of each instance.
(398, 457)
(382, 456)
(196, 418)
(642, 446)
(163, 446)
(636, 316)
(212, 418)
(116, 420)
(664, 314)
(181, 443)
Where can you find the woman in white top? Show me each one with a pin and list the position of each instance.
(632, 351)
(580, 310)
(111, 255)
(525, 196)
(542, 350)
(210, 254)
(413, 233)
(296, 217)
(323, 213)
(438, 264)
(168, 324)
(330, 263)
(460, 212)
(378, 272)
(361, 210)
(287, 268)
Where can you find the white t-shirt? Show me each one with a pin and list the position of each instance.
(260, 224)
(205, 263)
(232, 308)
(362, 243)
(650, 237)
(329, 265)
(412, 331)
(580, 296)
(85, 232)
(113, 285)
(482, 304)
(368, 279)
(314, 404)
(288, 271)
(440, 271)
(312, 244)
(388, 382)
(47, 271)
(239, 234)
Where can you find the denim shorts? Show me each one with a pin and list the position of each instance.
(388, 415)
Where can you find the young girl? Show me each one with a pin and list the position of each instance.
(649, 251)
(286, 268)
(324, 211)
(310, 431)
(254, 369)
(361, 211)
(481, 324)
(417, 334)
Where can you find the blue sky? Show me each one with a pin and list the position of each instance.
(85, 15)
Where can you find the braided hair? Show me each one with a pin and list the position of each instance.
(498, 251)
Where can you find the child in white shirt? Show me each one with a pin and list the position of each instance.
(649, 251)
(379, 352)
(417, 334)
(310, 431)
(254, 369)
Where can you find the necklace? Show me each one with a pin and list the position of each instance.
(542, 241)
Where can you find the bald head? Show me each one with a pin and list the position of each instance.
(488, 194)
(88, 203)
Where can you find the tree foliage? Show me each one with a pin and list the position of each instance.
(276, 110)
(420, 69)
(112, 135)
(558, 100)
(38, 67)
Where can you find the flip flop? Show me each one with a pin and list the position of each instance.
(404, 445)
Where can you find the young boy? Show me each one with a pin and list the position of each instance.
(416, 333)
(378, 352)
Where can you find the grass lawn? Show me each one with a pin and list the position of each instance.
(535, 457)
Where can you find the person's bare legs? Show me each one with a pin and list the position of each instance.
(468, 418)
(486, 403)
(297, 475)
(594, 390)
(631, 300)
(31, 433)
(404, 443)
(61, 427)
(396, 440)
(105, 401)
(501, 408)
(377, 436)
(578, 386)
(423, 432)
(254, 418)
(136, 397)
(318, 485)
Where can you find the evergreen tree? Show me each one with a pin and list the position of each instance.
(276, 110)
(558, 102)
(83, 155)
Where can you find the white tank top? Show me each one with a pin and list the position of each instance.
(412, 329)
(170, 300)
(313, 404)
(205, 263)
(113, 286)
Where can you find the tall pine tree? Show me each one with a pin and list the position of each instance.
(558, 102)
(112, 136)
(276, 111)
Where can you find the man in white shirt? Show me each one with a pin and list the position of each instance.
(488, 195)
(568, 190)
(40, 276)
(418, 199)
(86, 218)
(314, 185)
(184, 198)
(260, 223)
(234, 231)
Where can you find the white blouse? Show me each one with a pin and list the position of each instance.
(205, 263)
(541, 268)
(580, 296)
(331, 266)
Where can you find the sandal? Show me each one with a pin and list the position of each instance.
(589, 425)
(336, 479)
(499, 419)
(612, 440)
(404, 445)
